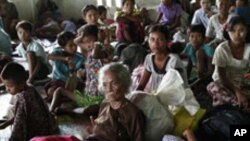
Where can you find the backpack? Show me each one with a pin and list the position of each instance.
(216, 123)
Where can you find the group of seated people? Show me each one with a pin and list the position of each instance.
(86, 66)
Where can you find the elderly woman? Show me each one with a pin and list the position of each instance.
(118, 118)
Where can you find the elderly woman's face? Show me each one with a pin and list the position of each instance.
(113, 89)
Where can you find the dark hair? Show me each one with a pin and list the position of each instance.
(64, 37)
(101, 9)
(231, 23)
(133, 55)
(88, 30)
(160, 28)
(88, 8)
(15, 72)
(26, 25)
(176, 47)
(198, 28)
(52, 6)
(123, 2)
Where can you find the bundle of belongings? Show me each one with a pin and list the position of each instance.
(170, 110)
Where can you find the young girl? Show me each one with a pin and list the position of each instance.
(129, 29)
(102, 12)
(90, 15)
(66, 61)
(231, 60)
(29, 49)
(160, 60)
(93, 63)
(169, 13)
(32, 117)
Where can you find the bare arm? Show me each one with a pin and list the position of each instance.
(210, 66)
(54, 57)
(124, 18)
(78, 39)
(99, 52)
(104, 36)
(158, 17)
(200, 62)
(144, 80)
(176, 23)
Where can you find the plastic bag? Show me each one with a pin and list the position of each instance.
(172, 94)
(170, 91)
(159, 120)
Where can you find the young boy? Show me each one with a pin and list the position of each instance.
(32, 117)
(198, 53)
(32, 51)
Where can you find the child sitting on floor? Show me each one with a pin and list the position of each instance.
(29, 49)
(32, 117)
(199, 54)
(95, 52)
(129, 28)
(160, 60)
(90, 15)
(66, 61)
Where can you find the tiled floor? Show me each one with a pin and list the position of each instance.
(68, 125)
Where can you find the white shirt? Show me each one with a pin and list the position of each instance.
(215, 28)
(200, 17)
(34, 47)
(174, 62)
(235, 68)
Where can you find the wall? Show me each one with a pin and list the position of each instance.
(72, 8)
(25, 8)
(68, 8)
